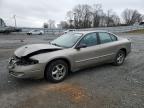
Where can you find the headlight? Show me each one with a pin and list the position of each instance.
(28, 61)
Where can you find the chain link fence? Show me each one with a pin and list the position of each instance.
(118, 29)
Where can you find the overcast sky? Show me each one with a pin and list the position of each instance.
(32, 13)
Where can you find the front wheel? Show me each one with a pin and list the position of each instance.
(56, 71)
(120, 57)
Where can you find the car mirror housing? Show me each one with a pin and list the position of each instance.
(81, 46)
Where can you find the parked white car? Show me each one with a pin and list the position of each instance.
(70, 30)
(35, 32)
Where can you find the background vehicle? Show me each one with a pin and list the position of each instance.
(141, 23)
(70, 30)
(35, 32)
(69, 52)
(8, 29)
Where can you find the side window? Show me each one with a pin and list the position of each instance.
(89, 40)
(113, 37)
(104, 38)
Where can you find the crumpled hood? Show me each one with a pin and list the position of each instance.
(34, 49)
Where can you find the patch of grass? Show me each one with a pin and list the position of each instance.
(137, 31)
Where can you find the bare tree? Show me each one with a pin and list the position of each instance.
(131, 16)
(45, 25)
(82, 16)
(109, 15)
(78, 16)
(70, 17)
(64, 25)
(111, 18)
(116, 20)
(87, 16)
(51, 23)
(97, 13)
(2, 23)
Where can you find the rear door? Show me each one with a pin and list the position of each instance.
(107, 47)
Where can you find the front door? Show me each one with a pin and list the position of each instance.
(86, 56)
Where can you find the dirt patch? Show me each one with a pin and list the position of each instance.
(75, 93)
(55, 94)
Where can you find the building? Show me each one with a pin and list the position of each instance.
(2, 23)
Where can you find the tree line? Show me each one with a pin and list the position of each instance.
(50, 24)
(87, 16)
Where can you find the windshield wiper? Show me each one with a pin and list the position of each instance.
(55, 44)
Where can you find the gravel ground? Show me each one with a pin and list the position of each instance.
(104, 86)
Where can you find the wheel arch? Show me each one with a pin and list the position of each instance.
(61, 58)
(125, 50)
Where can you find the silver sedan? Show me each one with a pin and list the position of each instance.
(68, 53)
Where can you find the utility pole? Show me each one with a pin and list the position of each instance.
(74, 20)
(14, 16)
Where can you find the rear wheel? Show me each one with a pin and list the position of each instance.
(56, 71)
(120, 57)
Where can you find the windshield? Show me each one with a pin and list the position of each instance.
(67, 40)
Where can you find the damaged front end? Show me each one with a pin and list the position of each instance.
(27, 60)
(22, 61)
(23, 65)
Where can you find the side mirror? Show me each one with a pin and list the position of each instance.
(81, 46)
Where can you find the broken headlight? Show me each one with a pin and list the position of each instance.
(26, 61)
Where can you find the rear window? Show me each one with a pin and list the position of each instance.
(113, 37)
(104, 37)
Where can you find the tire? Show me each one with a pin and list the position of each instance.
(120, 58)
(56, 71)
(28, 33)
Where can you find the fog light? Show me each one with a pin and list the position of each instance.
(17, 74)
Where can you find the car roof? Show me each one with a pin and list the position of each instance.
(86, 32)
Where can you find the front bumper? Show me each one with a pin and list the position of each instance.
(35, 71)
